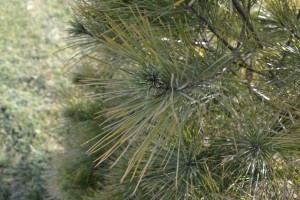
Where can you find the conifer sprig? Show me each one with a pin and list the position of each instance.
(201, 97)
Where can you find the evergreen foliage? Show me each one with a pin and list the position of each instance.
(199, 99)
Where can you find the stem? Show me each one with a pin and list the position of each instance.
(210, 27)
(238, 6)
(290, 38)
(242, 35)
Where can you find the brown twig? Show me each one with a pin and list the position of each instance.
(238, 6)
(204, 21)
(290, 38)
(242, 35)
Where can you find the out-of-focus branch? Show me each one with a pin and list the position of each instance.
(204, 21)
(290, 38)
(238, 6)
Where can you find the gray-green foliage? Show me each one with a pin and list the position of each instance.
(200, 98)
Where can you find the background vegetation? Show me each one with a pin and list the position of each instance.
(30, 78)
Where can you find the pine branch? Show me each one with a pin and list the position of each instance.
(290, 39)
(207, 48)
(78, 29)
(225, 42)
(207, 42)
(204, 21)
(243, 14)
(288, 43)
(293, 33)
(242, 35)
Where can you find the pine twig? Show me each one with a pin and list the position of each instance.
(204, 21)
(243, 14)
(290, 38)
(242, 34)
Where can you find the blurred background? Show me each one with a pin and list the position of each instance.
(31, 80)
